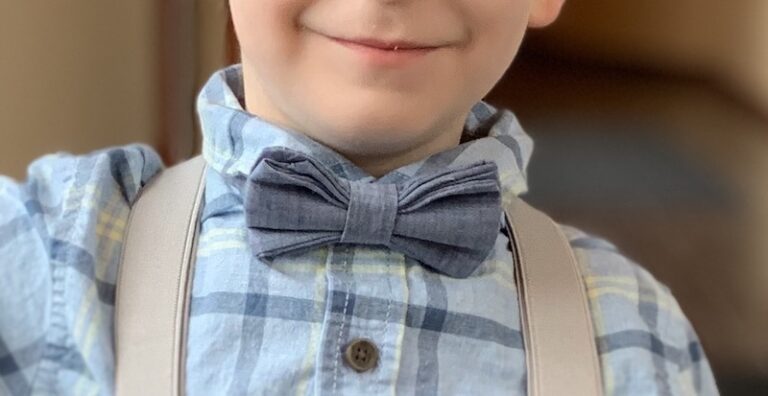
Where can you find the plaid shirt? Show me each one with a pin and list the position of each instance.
(279, 327)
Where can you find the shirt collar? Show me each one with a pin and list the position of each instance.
(233, 139)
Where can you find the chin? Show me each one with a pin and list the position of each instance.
(365, 142)
(379, 122)
(363, 125)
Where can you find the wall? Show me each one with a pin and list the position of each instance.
(76, 75)
(726, 40)
(748, 66)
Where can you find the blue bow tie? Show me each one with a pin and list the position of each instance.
(448, 220)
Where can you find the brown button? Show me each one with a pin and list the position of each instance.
(361, 355)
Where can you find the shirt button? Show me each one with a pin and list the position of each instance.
(362, 355)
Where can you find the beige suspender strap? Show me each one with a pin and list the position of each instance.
(561, 355)
(154, 286)
(153, 283)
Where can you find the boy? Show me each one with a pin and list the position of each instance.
(374, 91)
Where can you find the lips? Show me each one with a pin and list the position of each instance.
(389, 54)
(387, 45)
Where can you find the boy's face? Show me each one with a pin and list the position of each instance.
(298, 76)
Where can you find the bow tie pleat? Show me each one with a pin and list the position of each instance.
(448, 221)
(288, 168)
(285, 191)
(451, 217)
(464, 197)
(476, 179)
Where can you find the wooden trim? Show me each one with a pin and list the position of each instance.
(176, 79)
(233, 48)
(538, 53)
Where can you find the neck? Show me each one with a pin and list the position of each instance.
(367, 149)
(379, 159)
(379, 164)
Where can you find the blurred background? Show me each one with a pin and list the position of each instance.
(650, 121)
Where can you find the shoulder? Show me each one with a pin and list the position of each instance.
(646, 343)
(608, 271)
(60, 187)
(63, 193)
(61, 235)
(122, 168)
(602, 261)
(79, 204)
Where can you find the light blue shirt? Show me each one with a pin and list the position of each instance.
(280, 326)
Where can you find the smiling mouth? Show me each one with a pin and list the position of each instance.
(387, 48)
(384, 45)
(380, 54)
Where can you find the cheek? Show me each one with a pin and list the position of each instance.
(266, 29)
(498, 27)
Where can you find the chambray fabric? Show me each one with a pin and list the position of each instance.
(293, 203)
(278, 326)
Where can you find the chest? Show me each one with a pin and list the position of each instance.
(285, 325)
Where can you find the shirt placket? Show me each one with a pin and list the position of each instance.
(363, 327)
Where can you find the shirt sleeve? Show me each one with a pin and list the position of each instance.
(61, 235)
(646, 343)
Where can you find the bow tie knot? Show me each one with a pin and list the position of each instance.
(448, 220)
(371, 214)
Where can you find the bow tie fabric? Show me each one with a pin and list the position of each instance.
(447, 220)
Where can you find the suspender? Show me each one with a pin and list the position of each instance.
(152, 299)
(153, 283)
(561, 354)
